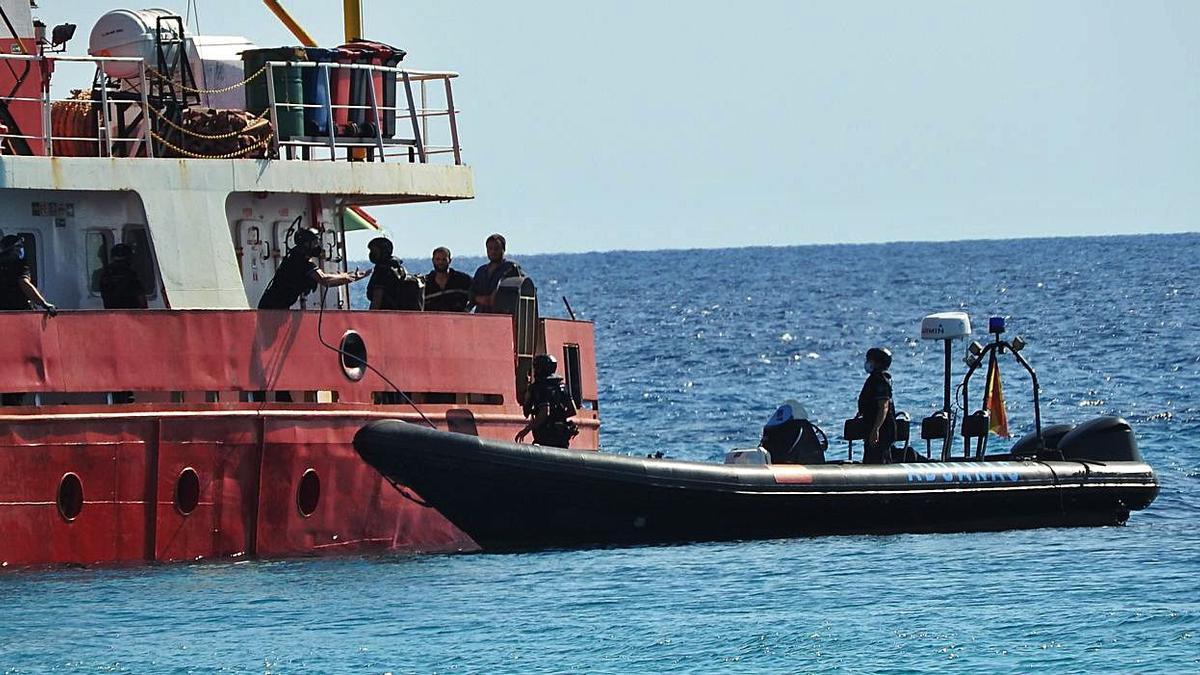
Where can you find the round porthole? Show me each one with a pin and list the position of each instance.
(187, 491)
(308, 495)
(353, 356)
(70, 496)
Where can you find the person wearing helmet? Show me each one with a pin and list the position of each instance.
(490, 274)
(391, 286)
(299, 274)
(120, 287)
(17, 291)
(548, 406)
(875, 406)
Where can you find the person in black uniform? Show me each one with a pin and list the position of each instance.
(120, 287)
(17, 291)
(299, 274)
(446, 289)
(875, 406)
(391, 286)
(490, 274)
(548, 406)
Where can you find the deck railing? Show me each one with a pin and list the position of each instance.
(379, 132)
(104, 138)
(409, 89)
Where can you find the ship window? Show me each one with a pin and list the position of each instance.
(143, 257)
(70, 496)
(308, 495)
(573, 373)
(97, 244)
(187, 491)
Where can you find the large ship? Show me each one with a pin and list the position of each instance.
(200, 427)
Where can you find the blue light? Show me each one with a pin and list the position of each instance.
(996, 324)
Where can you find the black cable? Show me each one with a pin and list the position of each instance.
(373, 369)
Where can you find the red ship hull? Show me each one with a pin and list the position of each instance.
(274, 479)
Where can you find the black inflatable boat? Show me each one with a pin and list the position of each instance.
(510, 496)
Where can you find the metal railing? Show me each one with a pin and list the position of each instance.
(375, 135)
(103, 138)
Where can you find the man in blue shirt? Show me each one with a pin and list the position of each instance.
(488, 276)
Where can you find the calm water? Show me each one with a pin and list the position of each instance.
(696, 347)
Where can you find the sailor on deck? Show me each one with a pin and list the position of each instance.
(446, 289)
(490, 274)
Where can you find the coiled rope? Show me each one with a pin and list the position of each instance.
(258, 121)
(229, 155)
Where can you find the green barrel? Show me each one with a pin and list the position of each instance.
(289, 87)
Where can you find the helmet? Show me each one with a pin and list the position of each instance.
(544, 365)
(382, 243)
(307, 240)
(121, 251)
(12, 248)
(380, 250)
(880, 358)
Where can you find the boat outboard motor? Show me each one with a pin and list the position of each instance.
(791, 438)
(1027, 446)
(1104, 439)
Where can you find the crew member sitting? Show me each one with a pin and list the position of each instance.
(488, 276)
(120, 287)
(299, 274)
(446, 289)
(875, 406)
(548, 406)
(391, 286)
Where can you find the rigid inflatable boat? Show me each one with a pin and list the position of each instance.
(511, 496)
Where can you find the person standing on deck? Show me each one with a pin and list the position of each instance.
(548, 406)
(299, 274)
(391, 286)
(120, 287)
(488, 276)
(446, 289)
(17, 291)
(876, 408)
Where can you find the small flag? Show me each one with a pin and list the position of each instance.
(993, 400)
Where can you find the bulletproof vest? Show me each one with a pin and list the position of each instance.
(290, 282)
(120, 287)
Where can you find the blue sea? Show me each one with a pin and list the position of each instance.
(695, 349)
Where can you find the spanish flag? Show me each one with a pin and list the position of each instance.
(993, 401)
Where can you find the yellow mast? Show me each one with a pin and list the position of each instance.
(301, 34)
(354, 19)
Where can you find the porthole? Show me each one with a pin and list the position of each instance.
(187, 491)
(70, 497)
(353, 356)
(308, 495)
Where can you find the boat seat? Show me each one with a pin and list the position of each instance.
(977, 424)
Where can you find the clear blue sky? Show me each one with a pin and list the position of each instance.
(638, 125)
